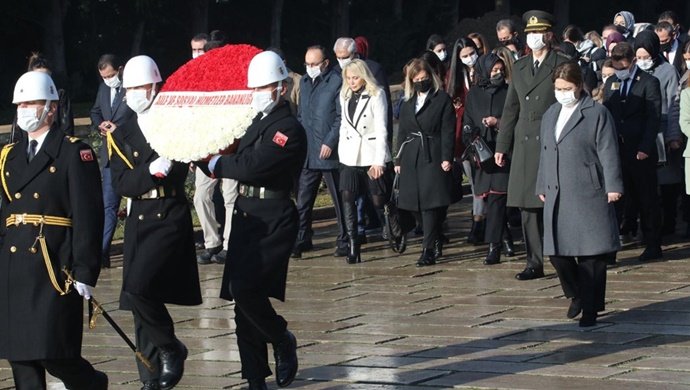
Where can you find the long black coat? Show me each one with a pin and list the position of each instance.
(62, 180)
(481, 103)
(159, 254)
(423, 184)
(270, 155)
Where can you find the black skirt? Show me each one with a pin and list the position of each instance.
(356, 180)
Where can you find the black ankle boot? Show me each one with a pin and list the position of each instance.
(426, 258)
(494, 255)
(472, 236)
(353, 254)
(438, 248)
(508, 246)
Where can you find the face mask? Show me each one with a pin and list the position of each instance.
(422, 86)
(497, 79)
(113, 82)
(645, 64)
(137, 101)
(623, 74)
(442, 55)
(262, 101)
(687, 64)
(196, 54)
(28, 120)
(344, 61)
(471, 60)
(604, 78)
(666, 46)
(566, 98)
(535, 41)
(313, 71)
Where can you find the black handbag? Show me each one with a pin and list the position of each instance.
(398, 222)
(481, 150)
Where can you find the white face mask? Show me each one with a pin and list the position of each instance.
(344, 61)
(28, 119)
(687, 64)
(262, 101)
(137, 100)
(535, 41)
(196, 54)
(441, 55)
(566, 98)
(470, 60)
(113, 82)
(645, 64)
(313, 71)
(604, 78)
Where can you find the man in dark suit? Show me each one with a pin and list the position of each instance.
(109, 107)
(634, 99)
(530, 94)
(671, 46)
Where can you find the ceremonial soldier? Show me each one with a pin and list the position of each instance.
(52, 224)
(269, 157)
(159, 254)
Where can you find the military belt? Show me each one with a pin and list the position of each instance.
(34, 219)
(261, 192)
(159, 192)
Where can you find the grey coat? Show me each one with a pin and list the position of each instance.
(575, 174)
(527, 100)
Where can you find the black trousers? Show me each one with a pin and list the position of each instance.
(583, 277)
(432, 221)
(307, 188)
(257, 324)
(75, 373)
(670, 193)
(533, 234)
(640, 184)
(496, 217)
(154, 329)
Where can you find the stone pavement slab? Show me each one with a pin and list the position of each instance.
(386, 324)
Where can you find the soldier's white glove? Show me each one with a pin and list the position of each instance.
(83, 289)
(160, 167)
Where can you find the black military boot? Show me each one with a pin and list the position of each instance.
(508, 246)
(438, 248)
(285, 355)
(150, 385)
(426, 258)
(494, 255)
(172, 359)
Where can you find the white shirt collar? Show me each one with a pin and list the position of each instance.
(39, 139)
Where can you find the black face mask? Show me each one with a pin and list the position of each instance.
(497, 79)
(422, 86)
(667, 46)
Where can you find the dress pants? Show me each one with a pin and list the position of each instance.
(307, 188)
(495, 218)
(432, 220)
(257, 324)
(583, 277)
(206, 210)
(533, 234)
(148, 350)
(640, 184)
(75, 373)
(111, 204)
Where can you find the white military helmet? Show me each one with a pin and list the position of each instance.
(34, 86)
(140, 70)
(265, 68)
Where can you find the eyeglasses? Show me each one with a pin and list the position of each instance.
(313, 65)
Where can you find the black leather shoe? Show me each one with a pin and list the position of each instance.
(438, 248)
(100, 381)
(105, 264)
(285, 354)
(508, 247)
(172, 364)
(150, 385)
(588, 319)
(257, 384)
(651, 252)
(296, 252)
(426, 258)
(530, 273)
(575, 308)
(208, 253)
(494, 255)
(219, 258)
(341, 250)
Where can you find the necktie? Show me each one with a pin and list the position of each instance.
(113, 93)
(536, 67)
(32, 149)
(624, 89)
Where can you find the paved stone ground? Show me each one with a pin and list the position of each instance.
(385, 324)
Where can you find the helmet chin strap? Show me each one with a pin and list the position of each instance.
(46, 110)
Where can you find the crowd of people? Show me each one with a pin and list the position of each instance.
(580, 137)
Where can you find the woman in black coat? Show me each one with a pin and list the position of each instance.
(483, 109)
(427, 131)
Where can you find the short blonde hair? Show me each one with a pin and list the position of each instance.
(413, 69)
(358, 68)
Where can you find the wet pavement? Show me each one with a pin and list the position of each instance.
(386, 324)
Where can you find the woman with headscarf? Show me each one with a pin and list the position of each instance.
(611, 41)
(669, 173)
(482, 116)
(626, 20)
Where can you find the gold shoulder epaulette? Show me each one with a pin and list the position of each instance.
(73, 139)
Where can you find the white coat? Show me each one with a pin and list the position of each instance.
(363, 138)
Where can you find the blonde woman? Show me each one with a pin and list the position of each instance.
(362, 147)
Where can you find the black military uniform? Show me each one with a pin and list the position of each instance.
(56, 196)
(159, 255)
(269, 157)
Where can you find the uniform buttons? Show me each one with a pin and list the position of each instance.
(7, 173)
(141, 217)
(13, 249)
(135, 154)
(159, 215)
(548, 187)
(526, 138)
(52, 169)
(544, 147)
(36, 195)
(537, 138)
(18, 195)
(526, 97)
(536, 98)
(556, 187)
(244, 214)
(234, 212)
(33, 250)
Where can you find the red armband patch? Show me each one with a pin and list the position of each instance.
(86, 155)
(280, 139)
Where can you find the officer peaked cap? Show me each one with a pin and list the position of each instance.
(537, 21)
